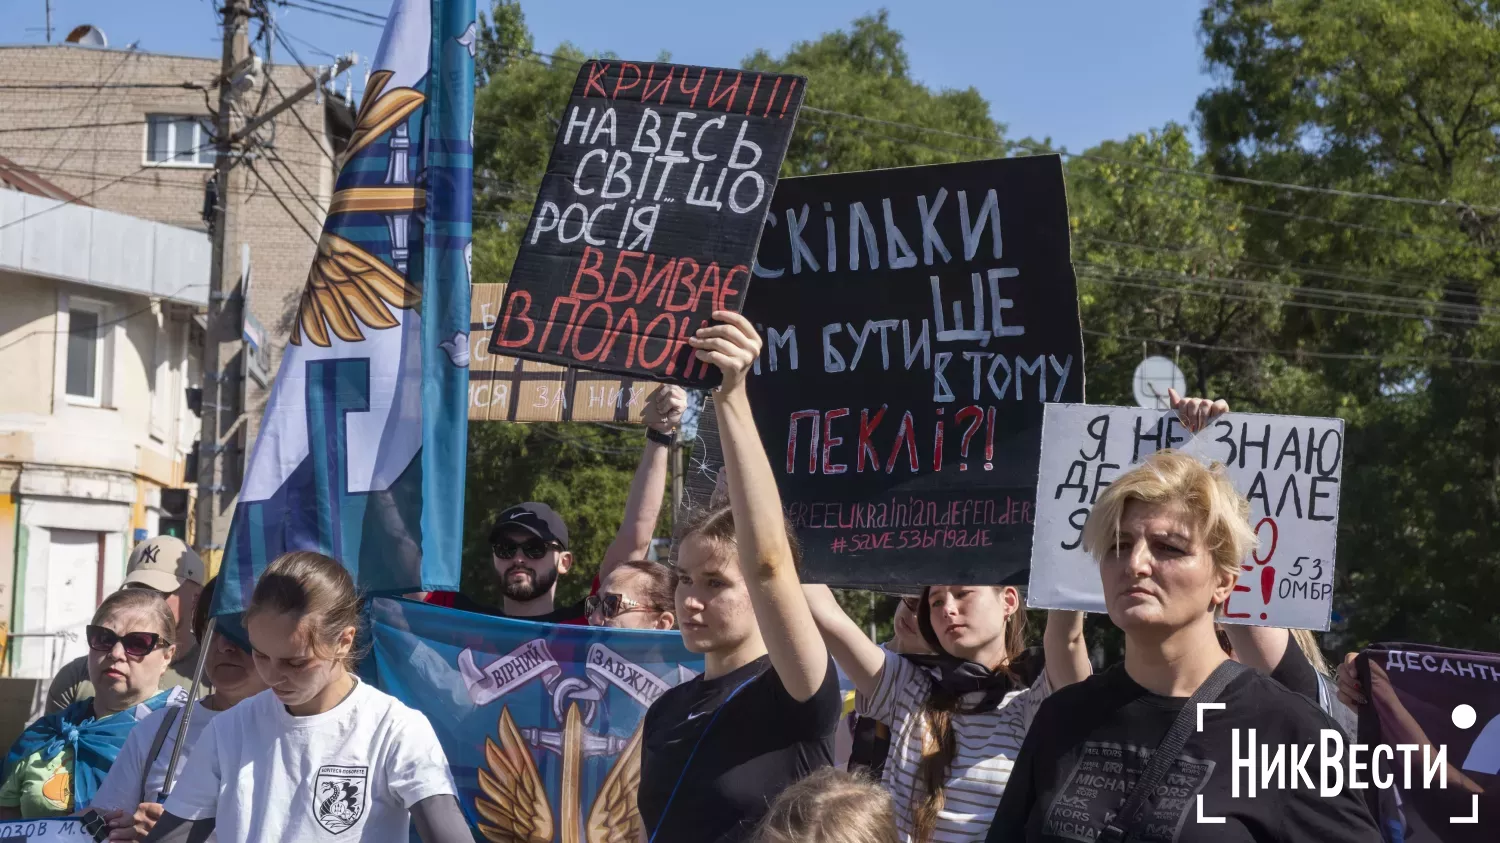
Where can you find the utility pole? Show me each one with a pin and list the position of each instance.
(49, 21)
(221, 457)
(222, 341)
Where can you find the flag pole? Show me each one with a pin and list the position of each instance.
(187, 710)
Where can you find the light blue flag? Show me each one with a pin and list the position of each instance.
(361, 452)
(525, 709)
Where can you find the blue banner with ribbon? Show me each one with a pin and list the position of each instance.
(541, 723)
(361, 452)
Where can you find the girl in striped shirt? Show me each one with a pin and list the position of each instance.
(956, 718)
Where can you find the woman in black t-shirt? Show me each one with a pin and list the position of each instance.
(1169, 536)
(718, 749)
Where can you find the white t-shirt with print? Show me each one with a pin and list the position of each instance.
(987, 744)
(351, 773)
(122, 787)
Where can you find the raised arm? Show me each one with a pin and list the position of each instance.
(1260, 647)
(786, 624)
(861, 659)
(1066, 651)
(643, 507)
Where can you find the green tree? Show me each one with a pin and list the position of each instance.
(1395, 97)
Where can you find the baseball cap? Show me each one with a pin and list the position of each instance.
(164, 564)
(537, 519)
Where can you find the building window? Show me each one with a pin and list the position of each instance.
(176, 139)
(85, 353)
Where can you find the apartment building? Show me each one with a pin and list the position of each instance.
(104, 270)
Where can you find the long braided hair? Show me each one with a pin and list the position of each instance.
(941, 743)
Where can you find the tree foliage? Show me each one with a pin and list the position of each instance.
(1319, 301)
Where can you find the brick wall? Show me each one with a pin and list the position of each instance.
(108, 143)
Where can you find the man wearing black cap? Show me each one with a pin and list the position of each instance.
(529, 548)
(529, 541)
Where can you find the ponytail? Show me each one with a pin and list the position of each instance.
(941, 743)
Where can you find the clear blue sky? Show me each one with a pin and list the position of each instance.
(1077, 71)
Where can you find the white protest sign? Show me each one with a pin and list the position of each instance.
(1289, 467)
(43, 831)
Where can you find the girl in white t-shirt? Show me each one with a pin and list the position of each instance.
(130, 797)
(321, 755)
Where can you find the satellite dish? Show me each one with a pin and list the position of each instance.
(87, 36)
(1153, 378)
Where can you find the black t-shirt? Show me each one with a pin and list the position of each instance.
(759, 743)
(1091, 741)
(1296, 673)
(571, 613)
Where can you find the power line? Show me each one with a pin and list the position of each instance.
(350, 18)
(93, 95)
(14, 129)
(1351, 194)
(1475, 311)
(1133, 281)
(351, 9)
(96, 190)
(318, 142)
(277, 197)
(105, 324)
(1300, 268)
(1296, 352)
(85, 86)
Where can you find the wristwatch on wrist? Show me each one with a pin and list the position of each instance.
(660, 438)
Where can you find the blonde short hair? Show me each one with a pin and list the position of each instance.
(1220, 513)
(830, 806)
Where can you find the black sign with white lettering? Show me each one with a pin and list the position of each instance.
(648, 217)
(915, 322)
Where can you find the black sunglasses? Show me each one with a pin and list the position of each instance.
(533, 548)
(912, 604)
(137, 644)
(613, 604)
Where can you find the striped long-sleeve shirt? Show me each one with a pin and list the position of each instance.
(987, 746)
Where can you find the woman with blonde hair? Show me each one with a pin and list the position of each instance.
(1132, 753)
(831, 806)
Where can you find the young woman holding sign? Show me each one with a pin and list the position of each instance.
(1169, 536)
(718, 749)
(321, 755)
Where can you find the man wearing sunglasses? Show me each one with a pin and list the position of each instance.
(167, 565)
(529, 542)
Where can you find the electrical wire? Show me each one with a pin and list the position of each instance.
(1297, 352)
(351, 9)
(315, 10)
(108, 322)
(96, 190)
(250, 163)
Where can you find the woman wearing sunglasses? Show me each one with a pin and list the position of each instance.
(130, 798)
(58, 763)
(635, 595)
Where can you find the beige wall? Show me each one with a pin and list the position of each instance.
(28, 322)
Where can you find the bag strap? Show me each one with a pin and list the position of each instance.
(1130, 814)
(156, 744)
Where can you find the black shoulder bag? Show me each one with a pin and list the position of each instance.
(1131, 813)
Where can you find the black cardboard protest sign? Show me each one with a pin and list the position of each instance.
(648, 217)
(915, 322)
